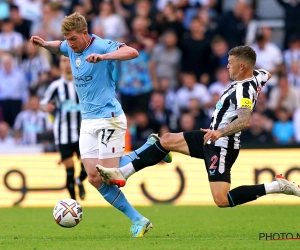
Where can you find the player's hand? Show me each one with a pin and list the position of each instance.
(50, 107)
(37, 41)
(210, 135)
(94, 58)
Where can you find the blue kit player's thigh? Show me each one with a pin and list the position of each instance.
(218, 162)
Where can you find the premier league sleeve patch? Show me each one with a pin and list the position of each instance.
(246, 103)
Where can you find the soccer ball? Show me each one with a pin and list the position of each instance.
(67, 213)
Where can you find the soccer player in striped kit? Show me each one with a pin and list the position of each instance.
(61, 97)
(218, 145)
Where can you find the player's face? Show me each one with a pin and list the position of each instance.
(233, 67)
(78, 41)
(65, 65)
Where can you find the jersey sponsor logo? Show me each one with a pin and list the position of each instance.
(246, 103)
(219, 105)
(80, 79)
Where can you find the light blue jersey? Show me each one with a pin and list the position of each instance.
(94, 83)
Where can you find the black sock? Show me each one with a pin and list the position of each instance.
(243, 194)
(150, 156)
(71, 182)
(83, 173)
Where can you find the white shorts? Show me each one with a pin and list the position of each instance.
(103, 138)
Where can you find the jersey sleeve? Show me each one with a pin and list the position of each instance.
(64, 48)
(49, 94)
(261, 76)
(245, 94)
(112, 46)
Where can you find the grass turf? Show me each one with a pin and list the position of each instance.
(175, 227)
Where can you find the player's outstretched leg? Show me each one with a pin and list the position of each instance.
(70, 182)
(149, 154)
(116, 198)
(279, 185)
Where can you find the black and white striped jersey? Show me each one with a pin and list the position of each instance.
(240, 94)
(67, 117)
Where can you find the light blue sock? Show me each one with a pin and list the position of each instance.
(115, 197)
(133, 155)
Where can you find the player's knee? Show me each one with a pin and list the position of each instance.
(221, 201)
(94, 180)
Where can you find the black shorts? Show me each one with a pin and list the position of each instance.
(218, 161)
(68, 150)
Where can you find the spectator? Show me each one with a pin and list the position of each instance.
(195, 108)
(268, 55)
(223, 81)
(6, 139)
(187, 122)
(49, 26)
(159, 112)
(257, 135)
(144, 126)
(135, 84)
(292, 53)
(113, 26)
(13, 88)
(34, 66)
(165, 60)
(231, 25)
(141, 33)
(218, 57)
(191, 89)
(161, 4)
(31, 9)
(294, 75)
(296, 123)
(284, 96)
(283, 130)
(291, 18)
(143, 8)
(263, 108)
(22, 25)
(168, 20)
(10, 40)
(32, 124)
(196, 50)
(169, 93)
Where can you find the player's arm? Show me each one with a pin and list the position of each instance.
(123, 53)
(239, 124)
(52, 46)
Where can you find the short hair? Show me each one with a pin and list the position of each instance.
(245, 53)
(74, 22)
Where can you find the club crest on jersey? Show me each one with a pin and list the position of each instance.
(78, 62)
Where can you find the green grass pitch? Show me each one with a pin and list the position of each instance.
(175, 227)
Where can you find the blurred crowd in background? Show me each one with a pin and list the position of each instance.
(179, 75)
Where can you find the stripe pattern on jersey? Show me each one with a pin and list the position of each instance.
(229, 103)
(67, 117)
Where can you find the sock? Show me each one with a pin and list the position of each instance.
(272, 187)
(243, 194)
(115, 197)
(127, 170)
(83, 173)
(149, 157)
(70, 182)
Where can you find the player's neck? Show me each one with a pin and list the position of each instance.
(244, 75)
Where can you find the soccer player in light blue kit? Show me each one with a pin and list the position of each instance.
(103, 127)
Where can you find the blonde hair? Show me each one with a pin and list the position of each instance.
(74, 22)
